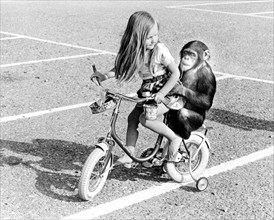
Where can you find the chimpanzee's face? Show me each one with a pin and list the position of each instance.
(189, 59)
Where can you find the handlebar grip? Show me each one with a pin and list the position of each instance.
(94, 68)
(95, 79)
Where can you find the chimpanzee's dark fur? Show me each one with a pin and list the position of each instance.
(199, 87)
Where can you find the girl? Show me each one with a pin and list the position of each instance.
(141, 53)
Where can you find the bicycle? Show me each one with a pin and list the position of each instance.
(193, 152)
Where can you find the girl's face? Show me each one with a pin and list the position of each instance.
(152, 37)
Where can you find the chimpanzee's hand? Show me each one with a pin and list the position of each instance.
(159, 97)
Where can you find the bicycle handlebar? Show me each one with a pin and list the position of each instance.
(128, 98)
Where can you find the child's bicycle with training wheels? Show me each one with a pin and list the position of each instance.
(189, 164)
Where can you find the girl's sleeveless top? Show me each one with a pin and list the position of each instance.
(157, 64)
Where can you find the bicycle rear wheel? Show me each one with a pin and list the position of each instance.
(179, 171)
(92, 177)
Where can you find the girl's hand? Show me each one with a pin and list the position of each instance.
(98, 77)
(159, 97)
(102, 94)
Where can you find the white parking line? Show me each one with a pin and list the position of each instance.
(50, 60)
(64, 108)
(244, 77)
(223, 12)
(219, 3)
(186, 7)
(260, 13)
(224, 77)
(34, 114)
(154, 191)
(58, 43)
(10, 38)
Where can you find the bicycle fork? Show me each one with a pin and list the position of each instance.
(106, 144)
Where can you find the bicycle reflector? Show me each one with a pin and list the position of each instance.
(98, 107)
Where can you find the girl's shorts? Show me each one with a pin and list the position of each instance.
(151, 86)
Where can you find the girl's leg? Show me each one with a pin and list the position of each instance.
(132, 126)
(131, 136)
(161, 128)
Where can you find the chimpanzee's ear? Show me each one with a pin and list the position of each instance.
(206, 55)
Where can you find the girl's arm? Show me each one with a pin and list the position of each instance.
(111, 73)
(175, 74)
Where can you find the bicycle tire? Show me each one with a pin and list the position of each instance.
(90, 174)
(183, 176)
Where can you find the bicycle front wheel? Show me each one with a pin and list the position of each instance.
(92, 177)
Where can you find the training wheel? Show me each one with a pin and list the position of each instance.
(163, 169)
(202, 183)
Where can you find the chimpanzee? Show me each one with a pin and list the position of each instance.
(198, 87)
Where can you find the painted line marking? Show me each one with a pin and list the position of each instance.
(10, 38)
(229, 13)
(50, 59)
(259, 13)
(58, 43)
(154, 191)
(64, 108)
(244, 77)
(224, 77)
(222, 12)
(34, 114)
(219, 3)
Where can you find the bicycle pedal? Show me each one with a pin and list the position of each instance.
(178, 157)
(147, 164)
(157, 162)
(134, 165)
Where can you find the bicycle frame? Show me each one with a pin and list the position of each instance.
(113, 137)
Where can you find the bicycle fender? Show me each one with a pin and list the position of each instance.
(102, 146)
(203, 137)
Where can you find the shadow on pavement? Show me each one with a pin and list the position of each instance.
(57, 164)
(239, 121)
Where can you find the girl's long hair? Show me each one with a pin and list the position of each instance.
(131, 55)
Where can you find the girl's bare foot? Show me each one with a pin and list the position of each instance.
(125, 159)
(173, 148)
